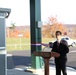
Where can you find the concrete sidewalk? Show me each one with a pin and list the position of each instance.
(52, 71)
(19, 71)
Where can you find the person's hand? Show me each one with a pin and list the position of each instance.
(55, 54)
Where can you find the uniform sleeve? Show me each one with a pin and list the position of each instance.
(53, 48)
(66, 48)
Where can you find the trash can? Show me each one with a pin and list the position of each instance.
(4, 13)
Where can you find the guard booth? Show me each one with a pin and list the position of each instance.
(4, 13)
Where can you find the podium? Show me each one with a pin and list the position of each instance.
(46, 56)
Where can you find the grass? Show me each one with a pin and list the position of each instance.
(17, 44)
(13, 44)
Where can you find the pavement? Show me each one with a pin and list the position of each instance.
(19, 71)
(52, 71)
(22, 63)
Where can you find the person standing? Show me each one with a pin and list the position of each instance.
(60, 47)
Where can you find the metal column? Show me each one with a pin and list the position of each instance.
(35, 17)
(4, 13)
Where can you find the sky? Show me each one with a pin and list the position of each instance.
(63, 9)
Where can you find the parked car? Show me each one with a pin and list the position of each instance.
(70, 41)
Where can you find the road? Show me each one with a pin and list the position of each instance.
(72, 57)
(23, 58)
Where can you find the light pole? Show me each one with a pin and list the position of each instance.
(20, 35)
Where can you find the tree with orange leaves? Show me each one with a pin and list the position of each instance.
(52, 27)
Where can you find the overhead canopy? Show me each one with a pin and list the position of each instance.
(6, 11)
